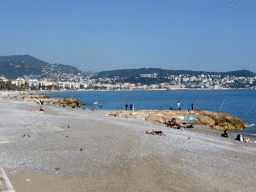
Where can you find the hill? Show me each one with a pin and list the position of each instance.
(162, 73)
(19, 65)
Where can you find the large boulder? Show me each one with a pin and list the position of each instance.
(155, 118)
(205, 120)
(141, 116)
(195, 122)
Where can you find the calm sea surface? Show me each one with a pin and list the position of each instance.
(241, 103)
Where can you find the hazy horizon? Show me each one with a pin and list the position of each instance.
(97, 35)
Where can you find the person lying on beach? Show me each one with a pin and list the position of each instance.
(155, 132)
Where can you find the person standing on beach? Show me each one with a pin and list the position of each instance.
(100, 106)
(192, 106)
(131, 107)
(178, 104)
(126, 106)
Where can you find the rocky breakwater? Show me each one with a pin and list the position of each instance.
(216, 120)
(47, 99)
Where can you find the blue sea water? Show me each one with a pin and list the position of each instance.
(241, 103)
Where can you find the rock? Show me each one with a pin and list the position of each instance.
(118, 113)
(155, 118)
(47, 99)
(35, 97)
(239, 124)
(218, 127)
(195, 122)
(141, 116)
(217, 120)
(205, 120)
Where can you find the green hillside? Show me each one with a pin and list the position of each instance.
(129, 73)
(19, 65)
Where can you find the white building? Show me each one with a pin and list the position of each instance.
(33, 82)
(19, 81)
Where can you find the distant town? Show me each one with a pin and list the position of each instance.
(65, 81)
(26, 72)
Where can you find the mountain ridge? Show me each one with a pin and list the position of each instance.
(16, 66)
(129, 73)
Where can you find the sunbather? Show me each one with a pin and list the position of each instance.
(155, 132)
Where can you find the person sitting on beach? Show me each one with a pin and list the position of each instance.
(173, 124)
(225, 133)
(41, 109)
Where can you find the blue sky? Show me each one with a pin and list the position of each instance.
(97, 35)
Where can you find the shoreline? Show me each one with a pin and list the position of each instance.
(114, 154)
(15, 94)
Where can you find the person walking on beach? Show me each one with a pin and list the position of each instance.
(178, 104)
(100, 106)
(131, 107)
(126, 106)
(192, 106)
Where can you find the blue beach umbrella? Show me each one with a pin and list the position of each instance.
(185, 122)
(191, 118)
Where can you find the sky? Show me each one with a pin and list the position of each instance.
(100, 35)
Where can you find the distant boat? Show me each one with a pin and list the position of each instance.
(95, 103)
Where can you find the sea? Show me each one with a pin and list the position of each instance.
(240, 103)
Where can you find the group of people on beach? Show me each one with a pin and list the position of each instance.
(126, 106)
(239, 137)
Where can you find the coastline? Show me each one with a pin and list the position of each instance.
(116, 153)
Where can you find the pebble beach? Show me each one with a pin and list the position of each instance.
(65, 149)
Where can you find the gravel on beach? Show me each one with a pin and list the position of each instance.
(65, 149)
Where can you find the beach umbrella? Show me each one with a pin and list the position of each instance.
(185, 122)
(191, 118)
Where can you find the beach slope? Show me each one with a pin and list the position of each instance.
(65, 149)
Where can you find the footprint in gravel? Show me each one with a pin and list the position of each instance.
(23, 135)
(66, 136)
